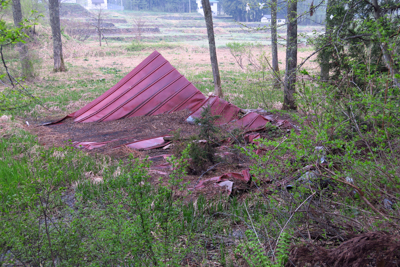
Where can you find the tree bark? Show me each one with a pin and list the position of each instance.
(325, 53)
(54, 9)
(274, 44)
(385, 51)
(211, 43)
(99, 25)
(26, 64)
(289, 102)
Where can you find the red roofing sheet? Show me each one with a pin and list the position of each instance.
(225, 180)
(150, 143)
(229, 113)
(152, 88)
(220, 107)
(89, 145)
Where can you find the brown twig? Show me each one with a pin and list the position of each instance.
(360, 192)
(291, 216)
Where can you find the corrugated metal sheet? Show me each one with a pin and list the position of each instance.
(153, 87)
(149, 143)
(220, 107)
(230, 114)
(156, 87)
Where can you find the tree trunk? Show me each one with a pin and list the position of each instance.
(26, 64)
(383, 45)
(274, 44)
(99, 25)
(54, 9)
(211, 43)
(99, 32)
(325, 53)
(291, 57)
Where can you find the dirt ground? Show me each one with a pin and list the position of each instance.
(123, 131)
(117, 133)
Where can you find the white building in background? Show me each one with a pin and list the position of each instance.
(267, 19)
(68, 1)
(96, 4)
(214, 7)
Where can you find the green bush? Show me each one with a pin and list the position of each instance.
(26, 165)
(125, 220)
(202, 147)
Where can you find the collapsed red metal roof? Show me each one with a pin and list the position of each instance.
(230, 113)
(153, 87)
(156, 87)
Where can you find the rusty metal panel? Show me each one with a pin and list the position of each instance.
(153, 87)
(89, 145)
(219, 107)
(246, 120)
(150, 143)
(258, 123)
(252, 122)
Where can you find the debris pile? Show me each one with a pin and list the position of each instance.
(153, 88)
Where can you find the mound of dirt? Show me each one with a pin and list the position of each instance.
(380, 249)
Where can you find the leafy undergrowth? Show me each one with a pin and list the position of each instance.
(61, 207)
(327, 192)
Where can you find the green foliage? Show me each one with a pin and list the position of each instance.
(237, 9)
(259, 79)
(354, 37)
(124, 220)
(357, 125)
(255, 255)
(202, 147)
(26, 165)
(11, 99)
(11, 35)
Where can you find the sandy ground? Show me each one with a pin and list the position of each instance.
(187, 58)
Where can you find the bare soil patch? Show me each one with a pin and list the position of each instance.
(117, 133)
(124, 131)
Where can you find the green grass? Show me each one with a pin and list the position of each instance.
(140, 46)
(25, 163)
(245, 90)
(14, 171)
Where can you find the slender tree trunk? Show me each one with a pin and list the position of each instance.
(26, 64)
(211, 43)
(99, 25)
(325, 53)
(54, 8)
(384, 48)
(99, 32)
(291, 57)
(274, 43)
